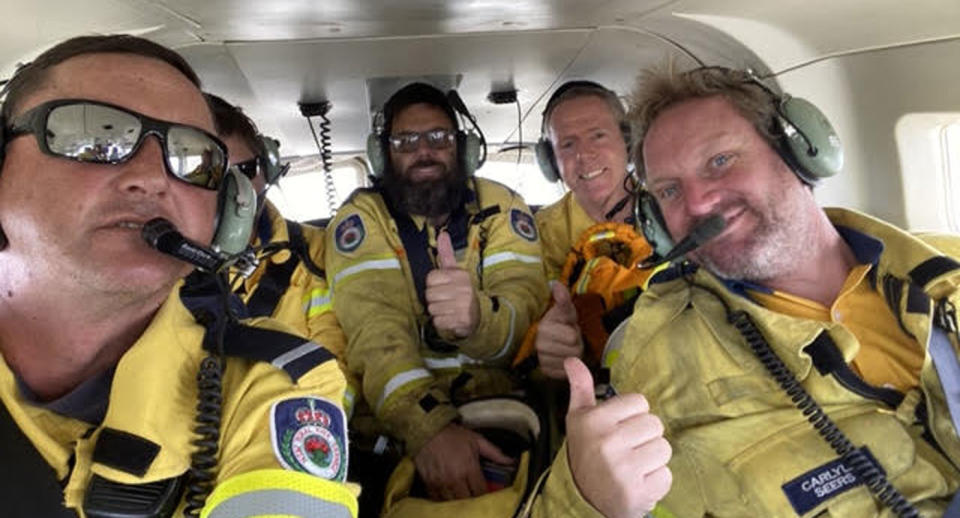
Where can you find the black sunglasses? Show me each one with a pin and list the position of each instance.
(101, 133)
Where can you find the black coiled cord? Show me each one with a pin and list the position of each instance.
(201, 477)
(325, 149)
(203, 461)
(855, 459)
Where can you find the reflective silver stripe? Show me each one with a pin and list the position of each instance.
(449, 363)
(294, 354)
(317, 300)
(503, 257)
(509, 341)
(278, 502)
(945, 361)
(399, 381)
(379, 264)
(349, 397)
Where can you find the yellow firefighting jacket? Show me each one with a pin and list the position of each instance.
(268, 443)
(406, 380)
(741, 447)
(305, 304)
(561, 224)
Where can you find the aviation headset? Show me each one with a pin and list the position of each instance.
(236, 198)
(804, 139)
(543, 149)
(469, 144)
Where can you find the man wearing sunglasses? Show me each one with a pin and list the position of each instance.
(436, 276)
(290, 285)
(99, 349)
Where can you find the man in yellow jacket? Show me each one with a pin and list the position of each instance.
(125, 390)
(589, 241)
(809, 366)
(289, 285)
(436, 276)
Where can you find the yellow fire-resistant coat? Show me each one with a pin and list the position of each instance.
(561, 224)
(306, 305)
(406, 383)
(154, 396)
(739, 443)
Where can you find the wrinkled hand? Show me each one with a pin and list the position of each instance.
(451, 299)
(616, 448)
(558, 335)
(449, 463)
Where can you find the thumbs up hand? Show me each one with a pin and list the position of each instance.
(451, 298)
(616, 449)
(558, 335)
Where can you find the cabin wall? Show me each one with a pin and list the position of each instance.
(865, 101)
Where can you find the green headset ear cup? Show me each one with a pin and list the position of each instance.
(652, 224)
(375, 155)
(810, 138)
(471, 153)
(543, 152)
(273, 169)
(236, 210)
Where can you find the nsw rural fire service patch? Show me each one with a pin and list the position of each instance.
(309, 435)
(350, 233)
(523, 225)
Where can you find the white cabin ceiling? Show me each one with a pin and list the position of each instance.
(268, 55)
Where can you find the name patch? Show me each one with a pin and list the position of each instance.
(310, 435)
(823, 483)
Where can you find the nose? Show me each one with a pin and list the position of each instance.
(700, 198)
(146, 172)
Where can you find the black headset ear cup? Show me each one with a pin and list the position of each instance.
(236, 211)
(543, 152)
(652, 224)
(813, 146)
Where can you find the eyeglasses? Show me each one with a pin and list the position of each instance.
(408, 142)
(101, 133)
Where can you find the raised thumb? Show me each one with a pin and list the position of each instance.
(562, 303)
(581, 384)
(445, 256)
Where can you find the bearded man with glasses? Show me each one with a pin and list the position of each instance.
(436, 276)
(102, 340)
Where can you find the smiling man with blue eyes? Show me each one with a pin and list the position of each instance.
(808, 367)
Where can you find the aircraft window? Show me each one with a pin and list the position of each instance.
(950, 143)
(301, 195)
(524, 178)
(929, 148)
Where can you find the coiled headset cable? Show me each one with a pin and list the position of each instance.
(201, 476)
(862, 466)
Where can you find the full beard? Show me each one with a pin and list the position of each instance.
(429, 198)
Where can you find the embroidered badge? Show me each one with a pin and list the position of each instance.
(523, 225)
(310, 435)
(822, 483)
(350, 233)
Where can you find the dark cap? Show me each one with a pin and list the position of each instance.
(416, 93)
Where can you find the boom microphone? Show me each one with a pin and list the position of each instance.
(703, 232)
(163, 236)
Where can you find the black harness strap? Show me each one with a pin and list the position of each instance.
(28, 485)
(828, 359)
(932, 268)
(276, 279)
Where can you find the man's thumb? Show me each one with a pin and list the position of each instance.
(581, 384)
(445, 256)
(563, 308)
